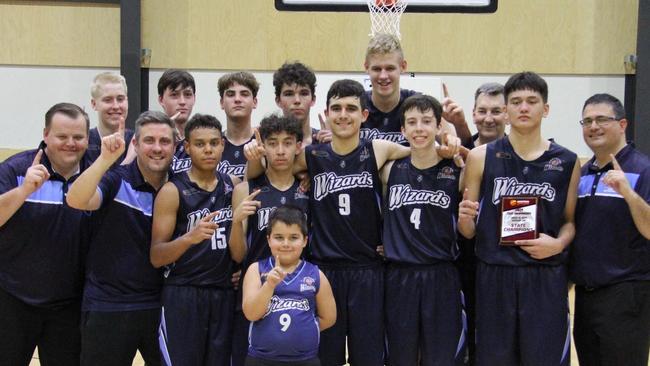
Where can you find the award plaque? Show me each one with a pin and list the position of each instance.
(518, 219)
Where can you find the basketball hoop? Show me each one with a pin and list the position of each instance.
(385, 16)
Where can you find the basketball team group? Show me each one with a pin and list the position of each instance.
(389, 236)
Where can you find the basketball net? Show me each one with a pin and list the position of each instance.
(385, 16)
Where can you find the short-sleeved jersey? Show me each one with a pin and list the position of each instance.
(207, 263)
(608, 248)
(119, 274)
(420, 213)
(181, 161)
(289, 330)
(385, 126)
(506, 174)
(233, 161)
(42, 245)
(269, 198)
(95, 145)
(344, 201)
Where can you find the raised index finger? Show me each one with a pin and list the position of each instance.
(252, 195)
(323, 126)
(615, 163)
(257, 136)
(445, 92)
(37, 158)
(121, 127)
(210, 216)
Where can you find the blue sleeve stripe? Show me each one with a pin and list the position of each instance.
(141, 201)
(51, 192)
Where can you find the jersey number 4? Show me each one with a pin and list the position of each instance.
(415, 218)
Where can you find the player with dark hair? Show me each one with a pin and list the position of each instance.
(288, 300)
(177, 95)
(257, 198)
(121, 301)
(295, 87)
(521, 288)
(43, 247)
(191, 223)
(610, 256)
(424, 302)
(238, 92)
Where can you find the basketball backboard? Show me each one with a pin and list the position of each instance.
(414, 6)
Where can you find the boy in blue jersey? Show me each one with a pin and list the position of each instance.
(521, 289)
(176, 96)
(254, 200)
(191, 224)
(42, 246)
(346, 193)
(424, 311)
(121, 300)
(288, 299)
(610, 256)
(238, 98)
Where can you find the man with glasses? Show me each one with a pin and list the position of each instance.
(610, 258)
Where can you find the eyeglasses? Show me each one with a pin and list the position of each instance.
(600, 120)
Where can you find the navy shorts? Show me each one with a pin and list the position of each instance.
(522, 315)
(424, 315)
(196, 325)
(359, 295)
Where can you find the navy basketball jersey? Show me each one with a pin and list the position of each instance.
(420, 213)
(270, 198)
(345, 201)
(181, 161)
(207, 263)
(233, 161)
(289, 330)
(385, 126)
(506, 174)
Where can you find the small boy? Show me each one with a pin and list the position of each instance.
(281, 295)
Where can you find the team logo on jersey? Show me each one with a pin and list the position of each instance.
(511, 187)
(402, 195)
(194, 217)
(326, 183)
(213, 199)
(190, 191)
(283, 200)
(300, 195)
(419, 178)
(236, 154)
(342, 164)
(320, 153)
(227, 188)
(554, 164)
(180, 165)
(279, 304)
(365, 154)
(503, 155)
(525, 170)
(373, 134)
(446, 172)
(230, 169)
(308, 284)
(386, 121)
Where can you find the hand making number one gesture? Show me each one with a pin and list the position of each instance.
(36, 174)
(113, 145)
(254, 150)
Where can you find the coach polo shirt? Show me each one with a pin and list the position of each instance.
(119, 275)
(41, 245)
(608, 248)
